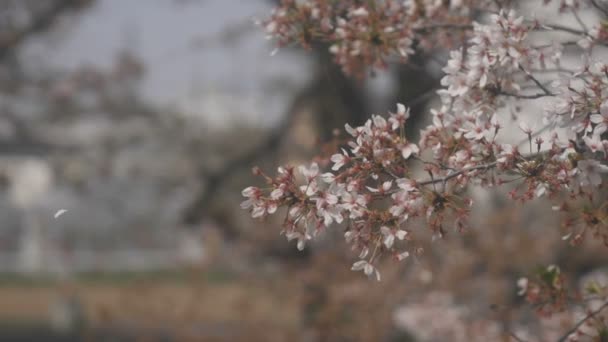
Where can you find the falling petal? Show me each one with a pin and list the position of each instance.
(60, 212)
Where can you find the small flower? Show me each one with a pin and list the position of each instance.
(327, 207)
(253, 194)
(391, 234)
(601, 119)
(402, 111)
(278, 193)
(406, 184)
(379, 121)
(585, 43)
(541, 189)
(302, 238)
(250, 191)
(386, 186)
(408, 149)
(328, 177)
(339, 160)
(594, 143)
(271, 27)
(263, 208)
(349, 236)
(474, 131)
(359, 12)
(295, 211)
(364, 252)
(310, 189)
(402, 256)
(522, 285)
(366, 267)
(525, 127)
(350, 130)
(309, 172)
(399, 118)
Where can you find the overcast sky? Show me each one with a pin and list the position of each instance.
(187, 65)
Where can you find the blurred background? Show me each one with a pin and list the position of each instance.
(143, 120)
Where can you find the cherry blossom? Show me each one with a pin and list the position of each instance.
(339, 159)
(391, 234)
(301, 237)
(383, 186)
(367, 268)
(590, 172)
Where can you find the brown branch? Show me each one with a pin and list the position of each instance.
(215, 179)
(423, 29)
(484, 167)
(537, 82)
(557, 27)
(458, 173)
(524, 97)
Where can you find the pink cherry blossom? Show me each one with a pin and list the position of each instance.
(384, 184)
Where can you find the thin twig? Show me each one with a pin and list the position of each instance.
(525, 97)
(549, 70)
(599, 8)
(443, 26)
(557, 27)
(535, 134)
(580, 22)
(458, 173)
(538, 83)
(582, 321)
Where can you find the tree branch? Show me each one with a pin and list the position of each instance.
(557, 27)
(458, 173)
(214, 180)
(537, 82)
(525, 97)
(39, 24)
(599, 8)
(582, 321)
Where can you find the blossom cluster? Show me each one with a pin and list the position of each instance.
(363, 177)
(366, 33)
(382, 185)
(582, 105)
(549, 294)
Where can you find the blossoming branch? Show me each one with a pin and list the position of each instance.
(371, 185)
